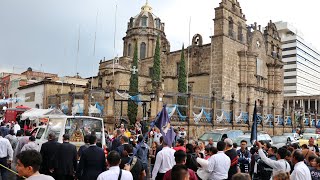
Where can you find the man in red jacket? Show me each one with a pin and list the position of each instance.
(180, 158)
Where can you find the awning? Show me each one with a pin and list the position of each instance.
(34, 114)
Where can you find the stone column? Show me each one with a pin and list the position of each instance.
(293, 120)
(316, 105)
(309, 103)
(288, 105)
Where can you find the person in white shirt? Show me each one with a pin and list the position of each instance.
(6, 154)
(114, 172)
(16, 127)
(31, 145)
(301, 170)
(164, 162)
(156, 136)
(219, 164)
(280, 165)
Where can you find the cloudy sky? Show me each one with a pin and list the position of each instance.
(43, 34)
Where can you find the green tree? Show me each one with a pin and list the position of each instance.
(156, 69)
(134, 87)
(182, 82)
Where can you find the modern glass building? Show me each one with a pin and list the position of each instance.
(302, 63)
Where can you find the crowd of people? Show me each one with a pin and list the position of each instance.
(135, 154)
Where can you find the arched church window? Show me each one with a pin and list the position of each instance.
(143, 50)
(158, 23)
(144, 21)
(240, 35)
(129, 50)
(259, 67)
(230, 27)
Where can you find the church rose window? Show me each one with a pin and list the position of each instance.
(143, 50)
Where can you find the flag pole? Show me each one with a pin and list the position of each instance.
(188, 56)
(94, 49)
(114, 37)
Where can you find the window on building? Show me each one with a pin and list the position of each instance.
(289, 55)
(240, 36)
(230, 27)
(288, 49)
(129, 50)
(259, 67)
(178, 64)
(290, 84)
(143, 50)
(144, 21)
(290, 70)
(290, 77)
(158, 23)
(292, 62)
(150, 71)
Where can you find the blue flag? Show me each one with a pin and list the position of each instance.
(163, 123)
(254, 128)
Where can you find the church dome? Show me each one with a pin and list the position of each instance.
(145, 19)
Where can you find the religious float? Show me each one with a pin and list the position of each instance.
(55, 121)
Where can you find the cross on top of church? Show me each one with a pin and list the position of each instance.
(134, 69)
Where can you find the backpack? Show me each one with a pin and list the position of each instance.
(192, 162)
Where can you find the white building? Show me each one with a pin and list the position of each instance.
(302, 63)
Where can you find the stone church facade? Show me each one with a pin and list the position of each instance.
(244, 60)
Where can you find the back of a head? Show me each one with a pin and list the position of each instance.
(140, 138)
(214, 150)
(180, 156)
(32, 138)
(119, 132)
(221, 145)
(281, 175)
(179, 172)
(86, 138)
(66, 137)
(297, 154)
(228, 142)
(11, 132)
(19, 133)
(282, 152)
(125, 139)
(2, 123)
(113, 158)
(52, 136)
(189, 148)
(128, 148)
(30, 158)
(241, 176)
(180, 141)
(161, 139)
(92, 139)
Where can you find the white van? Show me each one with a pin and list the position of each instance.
(76, 126)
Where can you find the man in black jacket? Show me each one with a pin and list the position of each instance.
(66, 160)
(48, 151)
(92, 161)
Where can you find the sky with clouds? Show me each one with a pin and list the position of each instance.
(44, 34)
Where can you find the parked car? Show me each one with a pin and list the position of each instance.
(295, 135)
(280, 141)
(219, 134)
(306, 136)
(261, 137)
